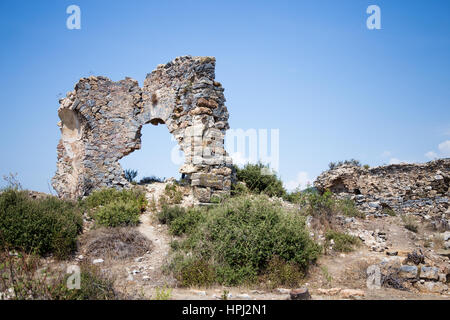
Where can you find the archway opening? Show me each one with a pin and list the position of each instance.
(159, 157)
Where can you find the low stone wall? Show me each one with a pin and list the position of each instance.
(101, 122)
(422, 189)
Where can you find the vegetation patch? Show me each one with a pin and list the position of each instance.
(172, 195)
(342, 242)
(259, 178)
(151, 179)
(42, 226)
(115, 208)
(410, 224)
(234, 243)
(24, 278)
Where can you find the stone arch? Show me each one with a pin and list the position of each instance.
(181, 94)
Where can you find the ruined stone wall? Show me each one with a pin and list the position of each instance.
(101, 122)
(422, 189)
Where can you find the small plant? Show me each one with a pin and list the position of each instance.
(389, 212)
(163, 293)
(168, 214)
(215, 199)
(152, 205)
(326, 274)
(410, 224)
(342, 242)
(151, 179)
(348, 208)
(352, 162)
(225, 295)
(130, 175)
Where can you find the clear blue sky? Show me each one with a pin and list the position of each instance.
(312, 69)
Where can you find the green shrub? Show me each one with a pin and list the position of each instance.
(180, 220)
(258, 182)
(117, 214)
(115, 208)
(348, 208)
(47, 225)
(130, 175)
(281, 273)
(239, 189)
(342, 242)
(239, 237)
(186, 222)
(320, 205)
(323, 205)
(106, 196)
(195, 272)
(169, 213)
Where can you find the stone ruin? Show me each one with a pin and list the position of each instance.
(420, 189)
(101, 122)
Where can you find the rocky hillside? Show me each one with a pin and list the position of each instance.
(419, 189)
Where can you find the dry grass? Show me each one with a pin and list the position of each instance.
(115, 243)
(438, 242)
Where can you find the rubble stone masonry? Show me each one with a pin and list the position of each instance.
(101, 122)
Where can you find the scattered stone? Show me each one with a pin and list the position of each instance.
(199, 293)
(98, 261)
(432, 287)
(329, 292)
(430, 273)
(352, 293)
(243, 296)
(283, 290)
(300, 294)
(409, 272)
